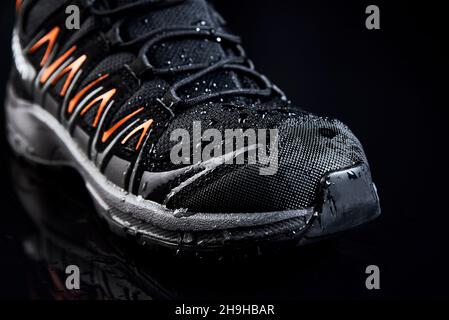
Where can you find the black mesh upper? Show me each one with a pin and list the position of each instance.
(310, 146)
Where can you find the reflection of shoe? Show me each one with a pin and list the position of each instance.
(59, 216)
(106, 98)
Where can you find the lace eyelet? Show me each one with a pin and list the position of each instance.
(113, 36)
(171, 99)
(140, 67)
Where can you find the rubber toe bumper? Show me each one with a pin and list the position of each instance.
(349, 198)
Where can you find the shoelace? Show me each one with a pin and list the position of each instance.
(142, 67)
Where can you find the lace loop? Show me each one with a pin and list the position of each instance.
(142, 68)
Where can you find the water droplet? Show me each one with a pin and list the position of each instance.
(199, 23)
(243, 118)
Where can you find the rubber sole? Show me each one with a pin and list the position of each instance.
(348, 198)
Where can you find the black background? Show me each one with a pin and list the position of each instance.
(384, 84)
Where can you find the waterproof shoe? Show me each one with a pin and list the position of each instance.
(132, 97)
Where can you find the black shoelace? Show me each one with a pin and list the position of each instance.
(142, 67)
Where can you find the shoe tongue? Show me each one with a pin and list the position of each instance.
(176, 52)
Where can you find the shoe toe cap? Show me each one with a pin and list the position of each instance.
(309, 148)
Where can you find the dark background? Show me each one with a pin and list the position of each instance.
(384, 84)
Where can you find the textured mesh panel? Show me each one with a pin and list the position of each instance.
(179, 52)
(144, 97)
(309, 148)
(110, 64)
(189, 13)
(217, 116)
